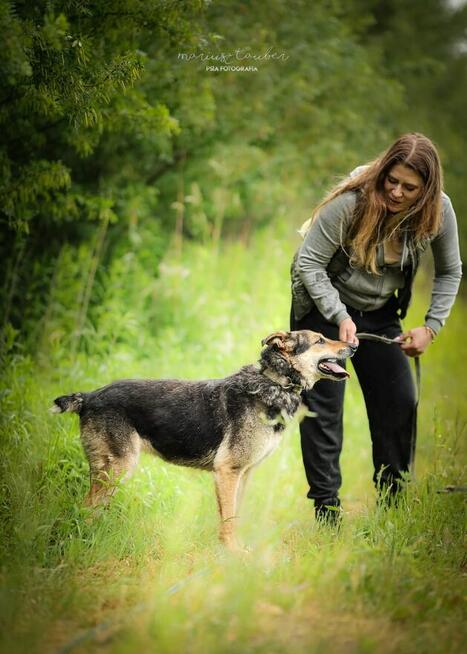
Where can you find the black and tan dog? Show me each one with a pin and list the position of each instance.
(225, 425)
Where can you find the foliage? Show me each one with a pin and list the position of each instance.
(114, 139)
(69, 102)
(109, 132)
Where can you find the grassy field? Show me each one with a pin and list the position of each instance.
(148, 574)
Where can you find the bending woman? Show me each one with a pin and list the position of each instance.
(354, 273)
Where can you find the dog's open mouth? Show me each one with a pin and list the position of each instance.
(330, 368)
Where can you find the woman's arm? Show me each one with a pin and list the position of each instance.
(448, 269)
(448, 273)
(321, 242)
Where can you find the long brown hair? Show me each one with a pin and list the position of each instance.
(372, 224)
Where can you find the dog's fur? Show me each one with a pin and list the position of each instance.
(226, 425)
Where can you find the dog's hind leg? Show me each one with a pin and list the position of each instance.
(227, 481)
(111, 456)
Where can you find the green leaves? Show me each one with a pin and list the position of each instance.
(34, 186)
(104, 103)
(64, 84)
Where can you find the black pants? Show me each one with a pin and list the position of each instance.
(387, 384)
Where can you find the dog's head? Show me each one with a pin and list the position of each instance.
(305, 356)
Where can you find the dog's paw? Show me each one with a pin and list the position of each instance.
(234, 547)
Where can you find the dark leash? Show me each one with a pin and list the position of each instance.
(453, 489)
(364, 336)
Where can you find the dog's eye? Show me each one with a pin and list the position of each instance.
(320, 341)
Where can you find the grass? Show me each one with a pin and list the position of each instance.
(149, 574)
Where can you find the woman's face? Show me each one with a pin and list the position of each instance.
(402, 188)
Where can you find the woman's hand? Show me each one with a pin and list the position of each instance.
(415, 341)
(347, 331)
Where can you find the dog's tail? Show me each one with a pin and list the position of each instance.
(72, 403)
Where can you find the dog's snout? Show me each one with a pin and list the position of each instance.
(344, 352)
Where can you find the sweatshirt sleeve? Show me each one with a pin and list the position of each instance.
(448, 269)
(321, 242)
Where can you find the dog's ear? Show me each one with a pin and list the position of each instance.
(277, 338)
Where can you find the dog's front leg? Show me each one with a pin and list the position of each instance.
(241, 488)
(227, 482)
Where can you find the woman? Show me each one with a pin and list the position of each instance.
(353, 273)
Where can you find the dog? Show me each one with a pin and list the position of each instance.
(227, 426)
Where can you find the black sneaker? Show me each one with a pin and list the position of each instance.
(390, 494)
(328, 512)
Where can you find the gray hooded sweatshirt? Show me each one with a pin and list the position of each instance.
(354, 286)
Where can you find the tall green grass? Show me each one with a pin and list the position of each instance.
(148, 573)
